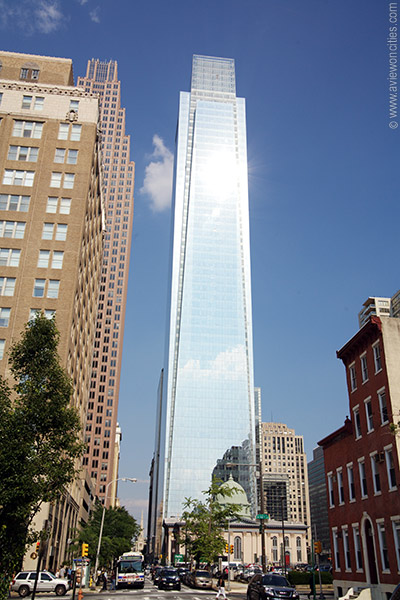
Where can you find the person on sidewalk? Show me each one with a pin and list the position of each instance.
(221, 587)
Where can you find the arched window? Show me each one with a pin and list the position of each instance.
(286, 541)
(298, 542)
(298, 548)
(237, 548)
(274, 540)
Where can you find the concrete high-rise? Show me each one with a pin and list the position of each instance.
(284, 468)
(51, 237)
(118, 176)
(209, 389)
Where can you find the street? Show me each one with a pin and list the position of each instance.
(151, 592)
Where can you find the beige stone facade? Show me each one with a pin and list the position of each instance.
(51, 234)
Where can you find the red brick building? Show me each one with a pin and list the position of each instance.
(362, 464)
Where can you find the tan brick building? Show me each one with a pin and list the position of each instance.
(51, 233)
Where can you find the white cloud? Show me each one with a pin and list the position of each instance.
(48, 16)
(95, 14)
(157, 184)
(39, 16)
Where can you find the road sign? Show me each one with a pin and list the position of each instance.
(262, 516)
(178, 558)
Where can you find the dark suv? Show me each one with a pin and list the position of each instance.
(269, 586)
(169, 580)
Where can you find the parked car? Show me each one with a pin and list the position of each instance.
(270, 585)
(182, 572)
(247, 574)
(200, 579)
(169, 580)
(24, 581)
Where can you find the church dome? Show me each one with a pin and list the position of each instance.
(238, 497)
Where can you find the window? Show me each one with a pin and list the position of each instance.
(38, 288)
(72, 157)
(274, 540)
(28, 129)
(23, 153)
(9, 257)
(61, 232)
(55, 180)
(53, 288)
(364, 368)
(47, 313)
(12, 229)
(35, 102)
(375, 473)
(363, 478)
(13, 202)
(383, 407)
(377, 357)
(73, 104)
(69, 179)
(29, 72)
(2, 346)
(26, 101)
(396, 537)
(383, 546)
(61, 205)
(357, 547)
(336, 548)
(7, 286)
(57, 260)
(59, 156)
(340, 485)
(47, 232)
(73, 132)
(390, 468)
(368, 414)
(330, 489)
(15, 177)
(43, 260)
(60, 229)
(346, 549)
(357, 423)
(4, 316)
(350, 480)
(353, 378)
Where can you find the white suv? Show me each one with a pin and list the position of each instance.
(23, 583)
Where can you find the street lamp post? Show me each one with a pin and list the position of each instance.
(132, 480)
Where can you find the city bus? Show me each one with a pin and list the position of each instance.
(130, 570)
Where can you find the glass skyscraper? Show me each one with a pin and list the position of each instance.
(209, 389)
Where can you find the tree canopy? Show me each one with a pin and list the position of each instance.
(118, 532)
(40, 439)
(205, 520)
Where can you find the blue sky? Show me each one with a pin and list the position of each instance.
(324, 180)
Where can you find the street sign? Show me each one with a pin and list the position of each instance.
(262, 516)
(178, 558)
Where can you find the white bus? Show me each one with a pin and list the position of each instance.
(130, 570)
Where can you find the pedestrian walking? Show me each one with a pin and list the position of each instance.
(104, 588)
(311, 582)
(221, 587)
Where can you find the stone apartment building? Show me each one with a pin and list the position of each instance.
(51, 236)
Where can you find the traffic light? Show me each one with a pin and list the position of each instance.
(85, 549)
(227, 548)
(37, 547)
(317, 547)
(231, 548)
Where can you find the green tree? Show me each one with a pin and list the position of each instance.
(40, 439)
(205, 522)
(118, 532)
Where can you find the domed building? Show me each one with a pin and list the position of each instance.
(235, 496)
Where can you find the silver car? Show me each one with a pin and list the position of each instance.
(23, 583)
